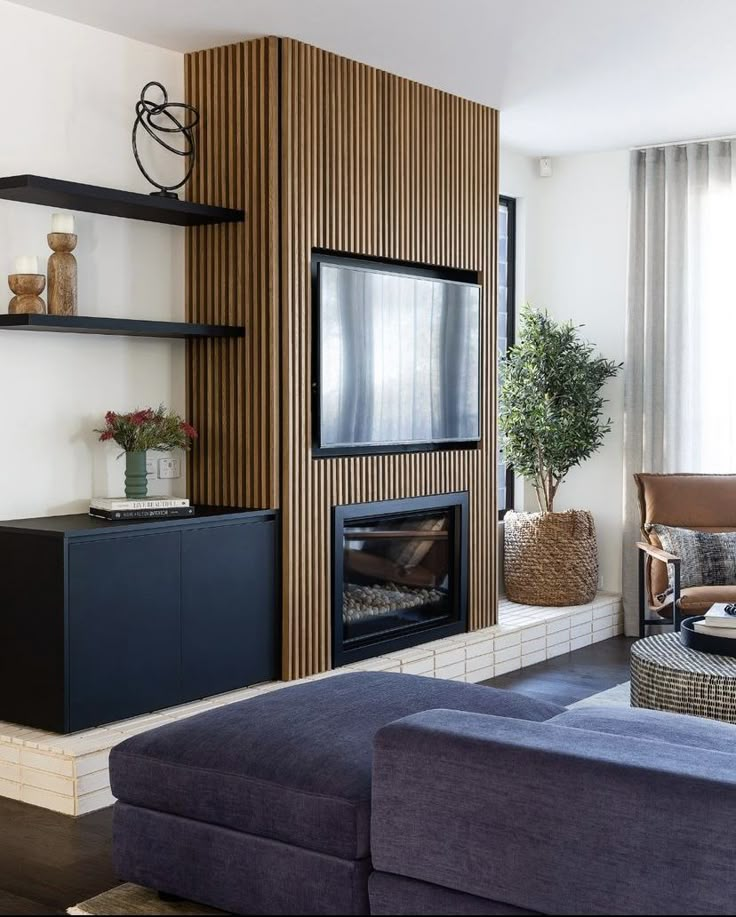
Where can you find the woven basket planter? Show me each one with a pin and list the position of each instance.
(550, 558)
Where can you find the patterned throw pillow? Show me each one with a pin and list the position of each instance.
(707, 558)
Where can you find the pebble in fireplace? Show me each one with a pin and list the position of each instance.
(399, 569)
(361, 602)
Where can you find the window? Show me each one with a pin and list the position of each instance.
(506, 320)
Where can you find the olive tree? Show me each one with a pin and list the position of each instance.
(550, 402)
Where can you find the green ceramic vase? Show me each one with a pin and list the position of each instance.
(136, 482)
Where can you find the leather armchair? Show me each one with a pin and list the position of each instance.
(704, 502)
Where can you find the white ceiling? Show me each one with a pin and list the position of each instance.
(568, 75)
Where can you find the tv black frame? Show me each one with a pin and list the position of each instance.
(388, 266)
(458, 504)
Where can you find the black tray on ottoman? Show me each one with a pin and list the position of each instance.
(705, 643)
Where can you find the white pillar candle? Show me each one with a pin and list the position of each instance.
(62, 222)
(26, 264)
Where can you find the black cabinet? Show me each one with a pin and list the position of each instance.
(226, 640)
(102, 621)
(124, 624)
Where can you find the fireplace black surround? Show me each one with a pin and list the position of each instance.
(399, 574)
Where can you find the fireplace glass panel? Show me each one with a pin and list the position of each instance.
(397, 574)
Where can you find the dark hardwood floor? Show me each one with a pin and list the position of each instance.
(569, 678)
(49, 862)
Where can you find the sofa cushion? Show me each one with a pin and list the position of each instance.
(655, 725)
(399, 895)
(231, 870)
(555, 819)
(294, 764)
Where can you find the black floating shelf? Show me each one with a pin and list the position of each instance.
(126, 327)
(70, 195)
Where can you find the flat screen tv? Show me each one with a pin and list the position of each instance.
(398, 359)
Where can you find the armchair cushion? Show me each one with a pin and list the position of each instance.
(706, 558)
(696, 600)
(698, 501)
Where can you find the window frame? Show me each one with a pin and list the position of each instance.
(510, 204)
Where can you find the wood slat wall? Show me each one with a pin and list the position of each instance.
(326, 153)
(232, 276)
(376, 165)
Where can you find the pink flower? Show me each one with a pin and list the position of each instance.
(106, 435)
(188, 430)
(141, 417)
(110, 418)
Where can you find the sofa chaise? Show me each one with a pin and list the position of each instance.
(395, 794)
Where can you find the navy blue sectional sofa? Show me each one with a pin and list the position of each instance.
(394, 794)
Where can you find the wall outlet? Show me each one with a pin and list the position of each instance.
(169, 468)
(151, 466)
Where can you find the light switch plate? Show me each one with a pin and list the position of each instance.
(169, 468)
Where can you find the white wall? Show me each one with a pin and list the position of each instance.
(67, 93)
(574, 264)
(517, 179)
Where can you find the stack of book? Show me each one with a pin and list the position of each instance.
(121, 508)
(718, 622)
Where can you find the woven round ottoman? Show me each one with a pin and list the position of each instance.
(667, 676)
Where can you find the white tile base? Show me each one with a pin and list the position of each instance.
(69, 774)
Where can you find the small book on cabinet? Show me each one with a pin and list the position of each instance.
(119, 515)
(124, 504)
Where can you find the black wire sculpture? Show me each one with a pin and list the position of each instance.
(149, 115)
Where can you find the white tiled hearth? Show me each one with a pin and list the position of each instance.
(69, 774)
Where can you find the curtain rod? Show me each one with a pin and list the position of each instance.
(656, 146)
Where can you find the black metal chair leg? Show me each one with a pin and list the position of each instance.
(676, 610)
(642, 592)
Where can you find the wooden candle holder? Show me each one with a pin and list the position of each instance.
(62, 270)
(27, 289)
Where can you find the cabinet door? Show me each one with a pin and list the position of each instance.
(229, 616)
(124, 644)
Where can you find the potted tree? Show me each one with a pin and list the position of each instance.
(551, 419)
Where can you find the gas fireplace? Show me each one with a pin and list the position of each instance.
(399, 574)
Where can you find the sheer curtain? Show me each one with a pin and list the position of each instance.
(680, 370)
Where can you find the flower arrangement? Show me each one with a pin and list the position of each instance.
(138, 431)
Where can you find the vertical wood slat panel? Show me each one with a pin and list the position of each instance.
(375, 165)
(233, 276)
(326, 153)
